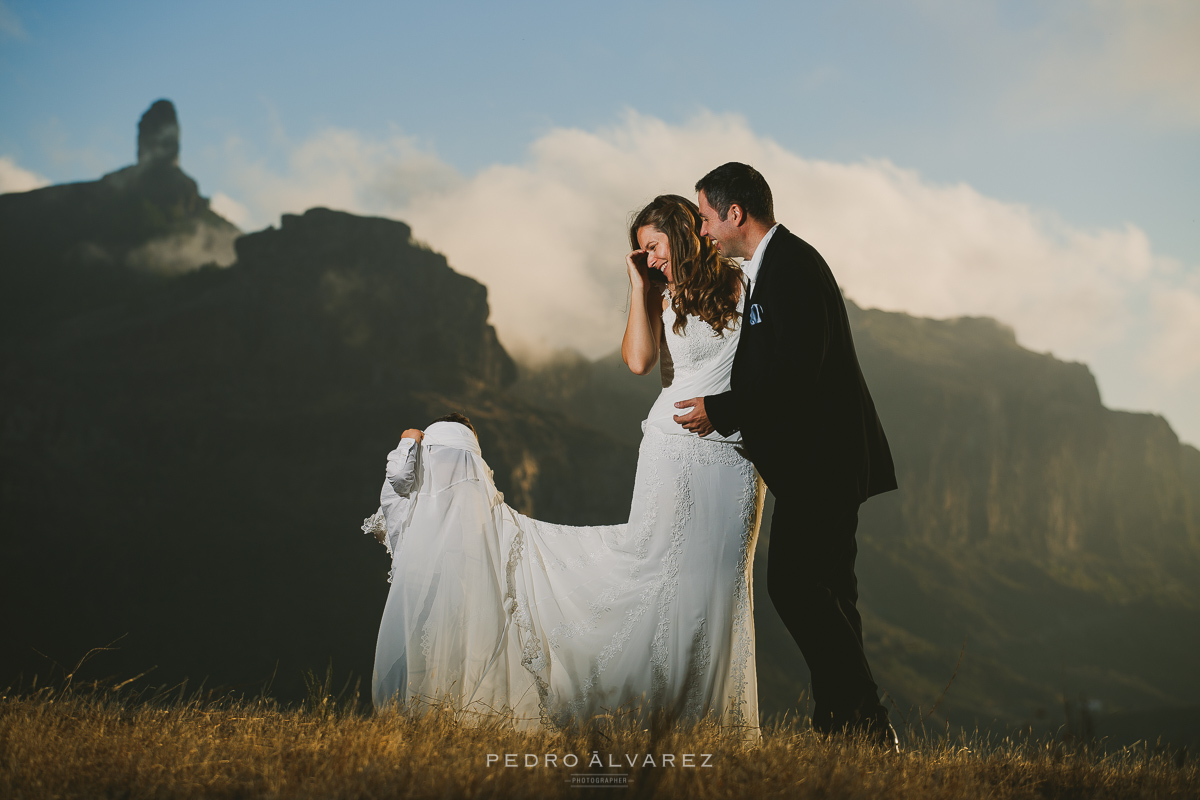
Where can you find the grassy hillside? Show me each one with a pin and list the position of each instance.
(92, 745)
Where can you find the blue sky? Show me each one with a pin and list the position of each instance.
(1083, 115)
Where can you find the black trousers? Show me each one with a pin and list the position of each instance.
(810, 578)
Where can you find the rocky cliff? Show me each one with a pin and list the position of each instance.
(74, 246)
(189, 464)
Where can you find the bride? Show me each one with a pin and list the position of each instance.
(493, 611)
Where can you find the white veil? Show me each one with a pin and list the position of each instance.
(447, 607)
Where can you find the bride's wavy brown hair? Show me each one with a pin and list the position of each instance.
(706, 282)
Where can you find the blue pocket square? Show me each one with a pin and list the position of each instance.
(756, 314)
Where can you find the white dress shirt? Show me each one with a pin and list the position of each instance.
(751, 266)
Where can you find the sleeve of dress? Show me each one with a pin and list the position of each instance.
(394, 496)
(376, 525)
(402, 467)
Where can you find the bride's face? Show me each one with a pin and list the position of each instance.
(658, 252)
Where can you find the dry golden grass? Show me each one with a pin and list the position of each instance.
(63, 743)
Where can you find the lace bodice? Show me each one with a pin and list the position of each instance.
(695, 362)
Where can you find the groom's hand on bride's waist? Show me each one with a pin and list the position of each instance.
(693, 416)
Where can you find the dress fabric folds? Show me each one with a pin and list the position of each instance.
(492, 611)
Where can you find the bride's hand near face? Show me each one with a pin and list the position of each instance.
(639, 347)
(635, 263)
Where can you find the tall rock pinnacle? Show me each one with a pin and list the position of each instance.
(158, 135)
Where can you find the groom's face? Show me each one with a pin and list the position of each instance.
(724, 233)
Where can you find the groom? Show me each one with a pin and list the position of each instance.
(809, 425)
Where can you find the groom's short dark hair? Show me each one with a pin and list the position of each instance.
(739, 183)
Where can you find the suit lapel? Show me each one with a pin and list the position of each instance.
(772, 249)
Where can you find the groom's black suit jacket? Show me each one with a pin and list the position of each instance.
(797, 393)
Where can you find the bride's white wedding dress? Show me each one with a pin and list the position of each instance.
(491, 610)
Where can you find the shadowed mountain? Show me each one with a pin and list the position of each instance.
(185, 457)
(1060, 538)
(190, 465)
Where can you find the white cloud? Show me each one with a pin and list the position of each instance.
(1117, 56)
(230, 209)
(17, 179)
(548, 238)
(337, 168)
(1174, 356)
